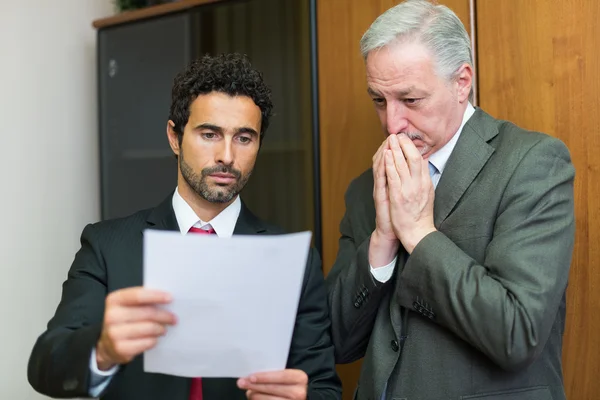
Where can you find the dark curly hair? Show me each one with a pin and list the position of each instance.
(226, 73)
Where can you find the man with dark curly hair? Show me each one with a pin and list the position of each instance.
(105, 321)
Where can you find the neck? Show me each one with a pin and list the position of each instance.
(205, 210)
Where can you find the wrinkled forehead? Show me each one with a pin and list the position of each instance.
(401, 69)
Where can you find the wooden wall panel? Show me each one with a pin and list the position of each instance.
(539, 66)
(349, 128)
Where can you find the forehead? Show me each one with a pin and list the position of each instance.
(224, 110)
(400, 67)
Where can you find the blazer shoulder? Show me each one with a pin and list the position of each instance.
(273, 229)
(248, 218)
(116, 228)
(519, 142)
(360, 185)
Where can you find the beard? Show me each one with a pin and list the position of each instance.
(213, 192)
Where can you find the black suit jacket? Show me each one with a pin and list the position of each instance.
(110, 258)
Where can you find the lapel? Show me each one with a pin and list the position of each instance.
(471, 153)
(248, 223)
(162, 217)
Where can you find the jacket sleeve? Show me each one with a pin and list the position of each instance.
(354, 294)
(506, 306)
(59, 364)
(311, 349)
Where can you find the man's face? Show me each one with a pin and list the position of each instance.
(411, 98)
(219, 146)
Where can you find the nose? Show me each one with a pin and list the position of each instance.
(396, 118)
(224, 153)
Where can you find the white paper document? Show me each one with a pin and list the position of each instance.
(235, 301)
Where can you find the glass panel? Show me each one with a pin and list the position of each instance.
(275, 36)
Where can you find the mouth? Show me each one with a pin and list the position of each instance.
(418, 142)
(223, 178)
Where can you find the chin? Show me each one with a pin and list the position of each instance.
(425, 151)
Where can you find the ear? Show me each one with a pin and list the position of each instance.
(464, 80)
(172, 136)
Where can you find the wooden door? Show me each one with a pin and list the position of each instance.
(349, 128)
(539, 67)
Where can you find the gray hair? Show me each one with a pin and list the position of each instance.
(435, 26)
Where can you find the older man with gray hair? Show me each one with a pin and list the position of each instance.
(456, 245)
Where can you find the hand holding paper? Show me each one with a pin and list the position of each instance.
(286, 384)
(132, 324)
(235, 301)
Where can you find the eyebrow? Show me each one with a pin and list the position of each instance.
(216, 128)
(399, 93)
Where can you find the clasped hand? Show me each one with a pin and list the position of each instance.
(403, 193)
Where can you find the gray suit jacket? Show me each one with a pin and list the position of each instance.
(477, 310)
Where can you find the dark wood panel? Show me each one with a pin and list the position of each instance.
(539, 67)
(149, 12)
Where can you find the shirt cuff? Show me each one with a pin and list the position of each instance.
(99, 380)
(96, 371)
(383, 274)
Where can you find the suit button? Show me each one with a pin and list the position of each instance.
(394, 345)
(70, 384)
(357, 304)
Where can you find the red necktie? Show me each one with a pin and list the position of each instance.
(196, 389)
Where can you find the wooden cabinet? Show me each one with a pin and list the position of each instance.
(139, 54)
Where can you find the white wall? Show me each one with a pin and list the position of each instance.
(48, 165)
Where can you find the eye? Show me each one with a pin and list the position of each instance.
(411, 102)
(378, 101)
(244, 139)
(209, 135)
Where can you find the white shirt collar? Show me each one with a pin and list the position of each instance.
(223, 223)
(440, 157)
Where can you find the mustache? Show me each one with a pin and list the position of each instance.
(221, 169)
(412, 135)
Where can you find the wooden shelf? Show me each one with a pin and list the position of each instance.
(149, 12)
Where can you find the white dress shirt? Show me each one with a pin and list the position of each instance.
(439, 159)
(223, 225)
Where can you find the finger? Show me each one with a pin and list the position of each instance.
(399, 160)
(285, 376)
(393, 177)
(127, 349)
(250, 395)
(119, 315)
(380, 181)
(411, 154)
(138, 296)
(378, 169)
(138, 330)
(277, 391)
(379, 175)
(384, 145)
